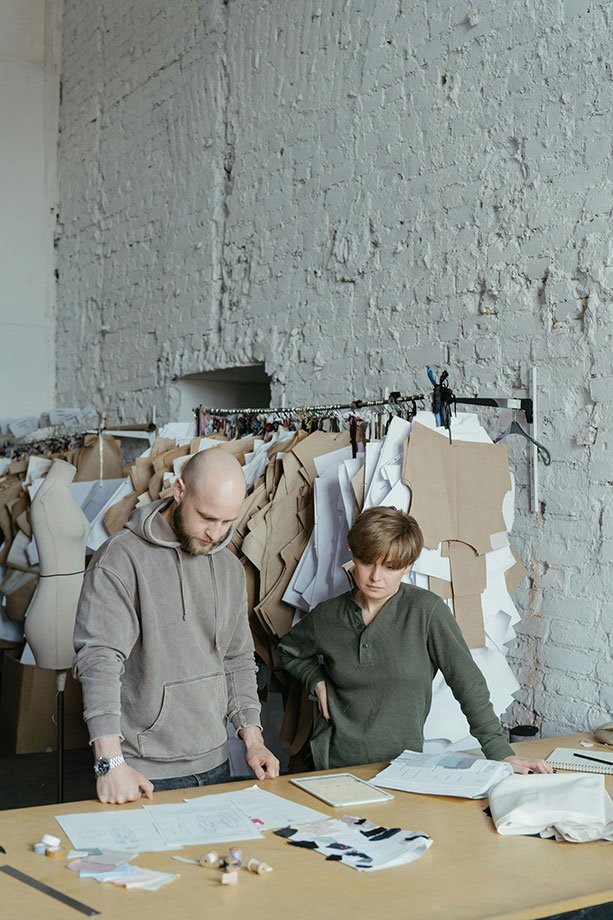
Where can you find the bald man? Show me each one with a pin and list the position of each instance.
(163, 647)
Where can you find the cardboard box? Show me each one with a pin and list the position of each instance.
(28, 709)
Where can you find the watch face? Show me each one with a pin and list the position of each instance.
(102, 766)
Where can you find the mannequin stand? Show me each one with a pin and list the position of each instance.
(61, 685)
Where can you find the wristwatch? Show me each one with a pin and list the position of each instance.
(104, 765)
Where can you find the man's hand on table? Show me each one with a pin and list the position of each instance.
(262, 761)
(123, 784)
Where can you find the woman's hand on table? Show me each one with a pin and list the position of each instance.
(528, 764)
(321, 692)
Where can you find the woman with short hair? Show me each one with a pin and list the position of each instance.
(371, 654)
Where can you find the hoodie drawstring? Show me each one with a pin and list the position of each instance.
(212, 571)
(178, 552)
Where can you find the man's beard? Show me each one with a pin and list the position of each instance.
(188, 542)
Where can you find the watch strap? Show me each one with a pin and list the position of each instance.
(104, 765)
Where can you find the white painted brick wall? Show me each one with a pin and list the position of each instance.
(347, 191)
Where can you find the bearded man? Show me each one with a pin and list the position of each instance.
(163, 647)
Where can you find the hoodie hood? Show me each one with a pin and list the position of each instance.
(146, 522)
(149, 524)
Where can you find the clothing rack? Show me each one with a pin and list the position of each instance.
(442, 397)
(394, 399)
(442, 400)
(347, 413)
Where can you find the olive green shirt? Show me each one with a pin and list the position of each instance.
(379, 677)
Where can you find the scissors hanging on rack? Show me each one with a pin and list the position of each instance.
(442, 400)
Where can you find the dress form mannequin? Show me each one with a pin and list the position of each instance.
(60, 529)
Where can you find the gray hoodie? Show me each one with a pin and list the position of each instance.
(163, 648)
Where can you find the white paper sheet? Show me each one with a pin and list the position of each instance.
(399, 496)
(265, 809)
(37, 467)
(391, 452)
(347, 496)
(465, 426)
(446, 719)
(392, 471)
(373, 450)
(432, 563)
(180, 431)
(498, 631)
(132, 829)
(27, 656)
(303, 577)
(456, 774)
(330, 529)
(255, 462)
(94, 504)
(207, 821)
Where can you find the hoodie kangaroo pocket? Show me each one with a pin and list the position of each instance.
(191, 721)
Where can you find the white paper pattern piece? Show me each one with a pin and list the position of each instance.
(180, 431)
(446, 719)
(208, 821)
(265, 809)
(132, 829)
(27, 656)
(390, 453)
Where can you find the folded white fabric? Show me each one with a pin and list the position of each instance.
(568, 806)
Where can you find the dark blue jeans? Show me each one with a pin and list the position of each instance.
(220, 774)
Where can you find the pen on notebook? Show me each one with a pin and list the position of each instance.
(607, 763)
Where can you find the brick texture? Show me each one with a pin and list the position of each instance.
(347, 191)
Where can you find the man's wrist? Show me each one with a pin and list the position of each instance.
(251, 736)
(109, 746)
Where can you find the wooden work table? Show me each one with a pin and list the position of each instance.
(469, 872)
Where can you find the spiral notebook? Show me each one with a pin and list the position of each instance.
(581, 761)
